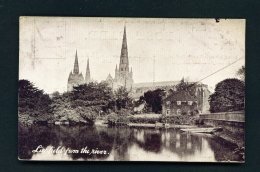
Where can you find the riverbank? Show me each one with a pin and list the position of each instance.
(237, 138)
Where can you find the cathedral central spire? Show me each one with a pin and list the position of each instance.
(123, 78)
(124, 63)
(76, 65)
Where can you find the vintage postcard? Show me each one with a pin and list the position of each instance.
(131, 89)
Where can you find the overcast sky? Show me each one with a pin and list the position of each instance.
(158, 49)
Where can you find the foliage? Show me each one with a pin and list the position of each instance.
(123, 120)
(229, 95)
(112, 118)
(143, 120)
(123, 99)
(124, 112)
(140, 101)
(154, 99)
(33, 102)
(241, 73)
(179, 119)
(92, 94)
(83, 104)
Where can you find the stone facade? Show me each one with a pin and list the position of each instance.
(123, 77)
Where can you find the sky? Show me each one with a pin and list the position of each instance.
(158, 49)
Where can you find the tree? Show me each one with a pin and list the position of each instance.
(33, 101)
(154, 99)
(123, 98)
(241, 73)
(92, 94)
(229, 95)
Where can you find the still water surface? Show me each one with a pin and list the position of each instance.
(119, 144)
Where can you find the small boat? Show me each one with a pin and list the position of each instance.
(202, 130)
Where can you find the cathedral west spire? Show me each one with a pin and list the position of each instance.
(75, 78)
(76, 65)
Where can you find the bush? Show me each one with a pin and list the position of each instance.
(112, 118)
(178, 119)
(123, 120)
(144, 120)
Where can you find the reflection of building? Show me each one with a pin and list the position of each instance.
(76, 78)
(122, 75)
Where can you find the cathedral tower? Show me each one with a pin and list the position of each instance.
(122, 75)
(75, 78)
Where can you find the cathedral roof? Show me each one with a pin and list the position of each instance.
(180, 96)
(151, 84)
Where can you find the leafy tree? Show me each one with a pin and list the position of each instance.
(33, 101)
(154, 99)
(229, 95)
(123, 98)
(92, 94)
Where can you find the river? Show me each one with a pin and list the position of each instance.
(120, 143)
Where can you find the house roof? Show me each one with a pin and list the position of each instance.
(180, 96)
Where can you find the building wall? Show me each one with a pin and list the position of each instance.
(74, 80)
(173, 107)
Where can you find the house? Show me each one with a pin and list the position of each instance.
(179, 103)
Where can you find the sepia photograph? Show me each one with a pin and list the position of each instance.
(131, 89)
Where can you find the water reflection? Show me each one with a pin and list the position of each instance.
(121, 144)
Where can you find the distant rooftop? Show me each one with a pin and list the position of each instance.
(156, 84)
(160, 84)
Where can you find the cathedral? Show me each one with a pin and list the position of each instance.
(76, 78)
(123, 78)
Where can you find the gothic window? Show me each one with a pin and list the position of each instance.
(178, 112)
(121, 69)
(178, 102)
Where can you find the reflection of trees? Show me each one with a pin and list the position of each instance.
(122, 142)
(150, 139)
(223, 149)
(29, 137)
(73, 137)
